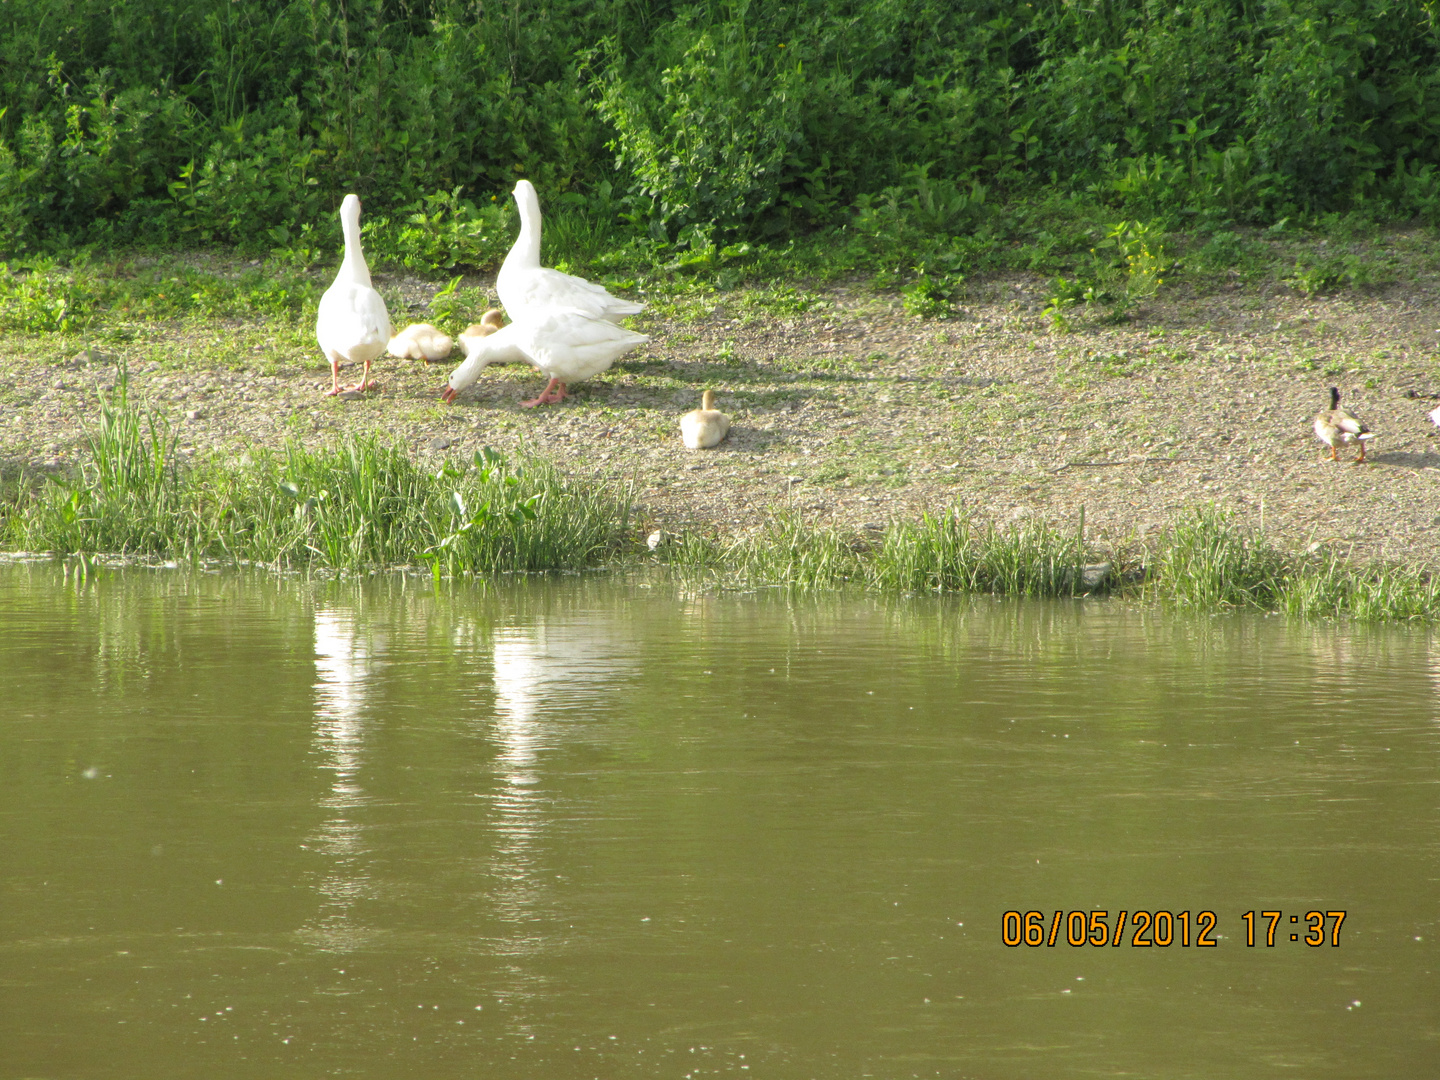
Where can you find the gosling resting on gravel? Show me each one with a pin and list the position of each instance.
(420, 341)
(706, 426)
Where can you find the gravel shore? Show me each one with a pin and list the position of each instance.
(852, 412)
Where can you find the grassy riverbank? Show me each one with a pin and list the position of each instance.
(1204, 561)
(356, 506)
(365, 505)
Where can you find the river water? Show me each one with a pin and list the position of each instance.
(267, 827)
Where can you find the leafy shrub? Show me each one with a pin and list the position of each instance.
(245, 121)
(709, 145)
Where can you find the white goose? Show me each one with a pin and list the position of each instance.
(526, 288)
(568, 346)
(352, 323)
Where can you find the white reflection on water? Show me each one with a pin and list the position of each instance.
(344, 660)
(547, 677)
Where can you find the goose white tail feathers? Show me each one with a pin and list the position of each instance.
(352, 324)
(527, 289)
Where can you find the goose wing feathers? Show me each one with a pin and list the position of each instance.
(573, 345)
(532, 292)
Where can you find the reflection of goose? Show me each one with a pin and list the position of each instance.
(545, 675)
(342, 669)
(548, 672)
(344, 662)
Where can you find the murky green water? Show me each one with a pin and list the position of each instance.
(268, 828)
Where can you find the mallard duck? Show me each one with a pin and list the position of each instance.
(528, 289)
(1336, 425)
(568, 346)
(352, 323)
(420, 341)
(706, 426)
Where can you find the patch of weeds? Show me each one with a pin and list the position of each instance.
(299, 247)
(830, 472)
(1314, 275)
(442, 231)
(1065, 294)
(1121, 364)
(1229, 252)
(1126, 267)
(458, 307)
(931, 297)
(40, 298)
(781, 300)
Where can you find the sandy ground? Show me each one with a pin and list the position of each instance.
(855, 413)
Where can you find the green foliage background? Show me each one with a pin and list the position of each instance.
(244, 121)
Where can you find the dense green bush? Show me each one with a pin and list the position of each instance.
(246, 120)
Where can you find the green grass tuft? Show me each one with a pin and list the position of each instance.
(357, 506)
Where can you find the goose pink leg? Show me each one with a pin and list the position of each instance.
(365, 383)
(548, 395)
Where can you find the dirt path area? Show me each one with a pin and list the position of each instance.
(852, 412)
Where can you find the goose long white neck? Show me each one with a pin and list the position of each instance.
(526, 252)
(353, 264)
